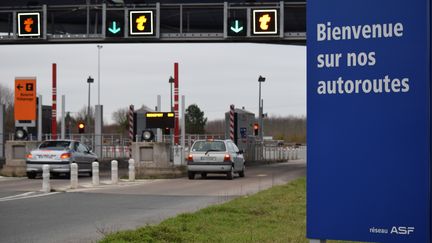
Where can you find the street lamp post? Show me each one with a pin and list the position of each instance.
(90, 80)
(261, 79)
(171, 81)
(99, 48)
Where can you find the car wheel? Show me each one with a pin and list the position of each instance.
(204, 175)
(191, 175)
(31, 175)
(230, 174)
(242, 172)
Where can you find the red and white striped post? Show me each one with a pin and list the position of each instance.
(131, 128)
(54, 102)
(176, 104)
(232, 122)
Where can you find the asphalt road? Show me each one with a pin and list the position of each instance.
(87, 213)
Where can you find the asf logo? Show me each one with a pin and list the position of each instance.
(402, 230)
(265, 22)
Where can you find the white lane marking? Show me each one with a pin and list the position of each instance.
(26, 196)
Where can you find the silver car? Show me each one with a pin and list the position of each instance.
(59, 154)
(215, 156)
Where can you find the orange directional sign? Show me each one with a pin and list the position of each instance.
(25, 99)
(29, 24)
(141, 22)
(265, 22)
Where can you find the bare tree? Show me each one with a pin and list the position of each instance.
(120, 118)
(7, 99)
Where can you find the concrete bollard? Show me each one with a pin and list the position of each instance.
(74, 176)
(114, 172)
(95, 173)
(131, 170)
(46, 186)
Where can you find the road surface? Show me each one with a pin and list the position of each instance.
(87, 213)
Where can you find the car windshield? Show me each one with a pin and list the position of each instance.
(204, 146)
(55, 145)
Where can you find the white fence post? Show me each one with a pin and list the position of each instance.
(74, 176)
(95, 173)
(131, 170)
(114, 172)
(46, 186)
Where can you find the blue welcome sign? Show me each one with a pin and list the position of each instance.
(368, 109)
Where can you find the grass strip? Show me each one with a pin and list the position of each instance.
(274, 215)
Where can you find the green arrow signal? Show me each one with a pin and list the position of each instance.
(114, 29)
(236, 28)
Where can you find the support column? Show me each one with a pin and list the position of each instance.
(39, 124)
(176, 103)
(63, 112)
(98, 130)
(2, 114)
(54, 102)
(159, 137)
(183, 127)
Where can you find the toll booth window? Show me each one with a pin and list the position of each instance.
(55, 145)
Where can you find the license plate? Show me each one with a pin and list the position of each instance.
(208, 158)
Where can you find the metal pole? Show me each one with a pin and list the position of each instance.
(88, 106)
(2, 114)
(259, 112)
(54, 102)
(183, 128)
(40, 119)
(159, 136)
(63, 120)
(99, 48)
(171, 97)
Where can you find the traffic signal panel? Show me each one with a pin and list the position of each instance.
(81, 127)
(256, 129)
(265, 22)
(29, 24)
(141, 23)
(115, 23)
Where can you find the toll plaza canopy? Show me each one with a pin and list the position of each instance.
(127, 21)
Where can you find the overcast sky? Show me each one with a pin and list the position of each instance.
(213, 76)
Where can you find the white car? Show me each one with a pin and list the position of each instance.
(59, 154)
(215, 156)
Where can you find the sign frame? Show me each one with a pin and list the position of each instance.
(256, 32)
(38, 24)
(133, 33)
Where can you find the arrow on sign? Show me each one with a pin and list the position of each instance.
(236, 28)
(19, 87)
(114, 29)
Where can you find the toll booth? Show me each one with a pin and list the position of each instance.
(140, 122)
(243, 127)
(146, 119)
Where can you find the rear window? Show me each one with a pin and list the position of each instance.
(55, 145)
(204, 146)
